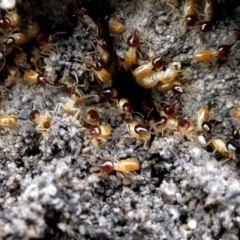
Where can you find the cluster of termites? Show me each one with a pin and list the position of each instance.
(155, 118)
(205, 25)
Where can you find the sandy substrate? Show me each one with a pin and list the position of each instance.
(49, 184)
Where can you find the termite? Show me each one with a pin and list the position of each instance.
(143, 70)
(189, 13)
(124, 165)
(102, 74)
(208, 55)
(203, 118)
(206, 25)
(130, 57)
(7, 120)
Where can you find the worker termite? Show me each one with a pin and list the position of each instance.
(69, 88)
(150, 80)
(109, 93)
(163, 87)
(171, 72)
(130, 57)
(189, 13)
(68, 108)
(153, 78)
(203, 118)
(115, 27)
(102, 49)
(43, 121)
(186, 127)
(159, 124)
(35, 78)
(101, 73)
(225, 149)
(13, 39)
(98, 134)
(139, 131)
(20, 38)
(74, 93)
(206, 25)
(208, 55)
(124, 165)
(7, 120)
(163, 123)
(125, 107)
(91, 116)
(144, 70)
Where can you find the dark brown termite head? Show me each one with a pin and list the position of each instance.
(205, 26)
(42, 80)
(107, 166)
(224, 50)
(4, 23)
(10, 42)
(133, 40)
(141, 130)
(127, 108)
(34, 116)
(161, 121)
(190, 20)
(103, 43)
(157, 62)
(109, 92)
(207, 128)
(94, 131)
(97, 64)
(235, 133)
(178, 89)
(92, 115)
(169, 109)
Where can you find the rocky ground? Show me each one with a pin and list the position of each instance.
(50, 187)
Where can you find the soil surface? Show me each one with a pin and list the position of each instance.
(50, 183)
